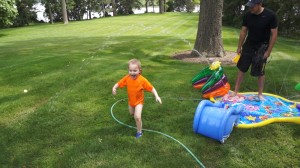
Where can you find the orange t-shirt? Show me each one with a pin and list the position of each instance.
(135, 88)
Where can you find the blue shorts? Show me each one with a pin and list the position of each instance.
(254, 56)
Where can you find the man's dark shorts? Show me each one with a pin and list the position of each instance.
(253, 55)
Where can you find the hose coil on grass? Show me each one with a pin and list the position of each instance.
(161, 133)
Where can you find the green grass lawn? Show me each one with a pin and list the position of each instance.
(64, 120)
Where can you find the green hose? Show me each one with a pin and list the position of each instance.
(111, 111)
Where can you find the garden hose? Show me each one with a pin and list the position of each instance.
(195, 158)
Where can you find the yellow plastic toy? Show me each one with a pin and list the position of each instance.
(236, 58)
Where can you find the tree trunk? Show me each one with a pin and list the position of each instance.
(161, 6)
(146, 6)
(153, 6)
(50, 13)
(113, 3)
(89, 13)
(209, 36)
(64, 11)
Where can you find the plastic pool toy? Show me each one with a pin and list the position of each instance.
(260, 113)
(211, 81)
(215, 120)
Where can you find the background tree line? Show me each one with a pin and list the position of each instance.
(21, 12)
(288, 15)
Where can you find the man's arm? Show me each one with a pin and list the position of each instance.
(242, 38)
(272, 41)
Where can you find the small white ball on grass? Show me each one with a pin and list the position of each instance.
(25, 90)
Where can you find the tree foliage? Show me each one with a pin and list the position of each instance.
(288, 14)
(20, 12)
(26, 14)
(287, 11)
(7, 12)
(181, 5)
(125, 7)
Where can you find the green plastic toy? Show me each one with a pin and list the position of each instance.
(214, 78)
(204, 73)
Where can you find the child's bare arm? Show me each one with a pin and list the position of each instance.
(114, 89)
(157, 98)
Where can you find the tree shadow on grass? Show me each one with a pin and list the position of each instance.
(2, 35)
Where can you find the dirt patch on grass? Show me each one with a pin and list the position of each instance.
(186, 56)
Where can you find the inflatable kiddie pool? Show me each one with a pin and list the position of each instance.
(216, 120)
(260, 113)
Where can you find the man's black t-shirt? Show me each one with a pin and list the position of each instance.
(259, 26)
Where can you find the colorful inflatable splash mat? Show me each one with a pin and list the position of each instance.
(259, 113)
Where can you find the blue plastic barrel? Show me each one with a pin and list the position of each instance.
(214, 120)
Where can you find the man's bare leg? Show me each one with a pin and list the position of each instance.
(261, 82)
(239, 80)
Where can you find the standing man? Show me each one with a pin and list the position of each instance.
(257, 38)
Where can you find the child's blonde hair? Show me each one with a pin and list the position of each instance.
(136, 62)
